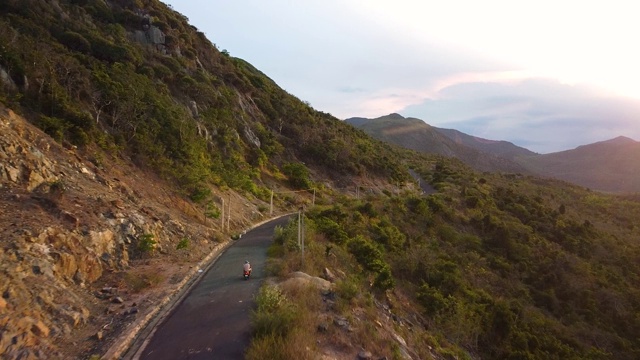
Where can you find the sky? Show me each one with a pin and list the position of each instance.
(545, 75)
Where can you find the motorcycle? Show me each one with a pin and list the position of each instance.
(246, 274)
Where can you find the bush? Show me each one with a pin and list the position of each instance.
(332, 230)
(146, 243)
(183, 244)
(298, 175)
(370, 257)
(274, 315)
(433, 301)
(212, 211)
(75, 41)
(347, 289)
(199, 194)
(53, 126)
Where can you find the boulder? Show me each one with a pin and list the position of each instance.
(300, 278)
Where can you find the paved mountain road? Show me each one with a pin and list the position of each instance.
(213, 320)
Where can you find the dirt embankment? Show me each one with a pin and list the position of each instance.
(89, 245)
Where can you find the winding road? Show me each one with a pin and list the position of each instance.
(213, 320)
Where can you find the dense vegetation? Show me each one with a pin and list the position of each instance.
(501, 266)
(133, 78)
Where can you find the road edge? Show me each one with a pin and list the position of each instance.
(129, 345)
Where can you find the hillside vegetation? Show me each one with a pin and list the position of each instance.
(146, 126)
(133, 78)
(491, 267)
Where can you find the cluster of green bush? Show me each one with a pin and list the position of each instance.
(527, 269)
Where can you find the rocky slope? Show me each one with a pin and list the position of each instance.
(89, 248)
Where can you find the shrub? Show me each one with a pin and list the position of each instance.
(370, 257)
(146, 243)
(389, 235)
(274, 315)
(183, 243)
(53, 126)
(212, 211)
(298, 175)
(347, 289)
(75, 41)
(433, 301)
(332, 230)
(199, 193)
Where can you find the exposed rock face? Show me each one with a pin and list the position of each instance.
(64, 224)
(5, 80)
(153, 36)
(22, 163)
(251, 137)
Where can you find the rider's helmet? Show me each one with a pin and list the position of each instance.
(246, 261)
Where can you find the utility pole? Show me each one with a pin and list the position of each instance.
(229, 214)
(301, 232)
(222, 217)
(271, 205)
(299, 229)
(302, 220)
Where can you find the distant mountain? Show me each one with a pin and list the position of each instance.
(612, 165)
(415, 134)
(500, 148)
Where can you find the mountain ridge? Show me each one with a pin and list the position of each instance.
(608, 165)
(415, 134)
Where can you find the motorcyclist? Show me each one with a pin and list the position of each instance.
(247, 266)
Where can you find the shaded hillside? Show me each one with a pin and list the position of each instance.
(612, 165)
(500, 148)
(415, 134)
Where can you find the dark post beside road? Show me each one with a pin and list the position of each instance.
(213, 320)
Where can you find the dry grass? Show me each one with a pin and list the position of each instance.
(284, 323)
(139, 282)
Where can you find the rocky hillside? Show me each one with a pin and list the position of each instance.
(126, 139)
(89, 249)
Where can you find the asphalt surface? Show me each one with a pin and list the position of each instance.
(213, 320)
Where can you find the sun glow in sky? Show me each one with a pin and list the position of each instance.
(572, 41)
(369, 58)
